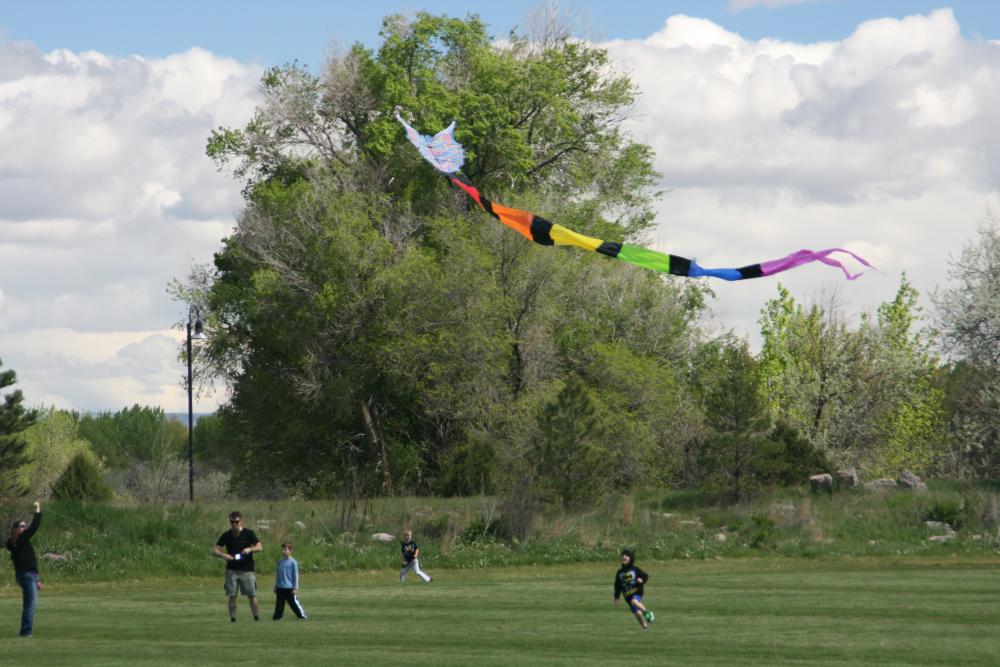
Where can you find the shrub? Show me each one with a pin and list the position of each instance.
(487, 529)
(81, 481)
(951, 512)
(760, 531)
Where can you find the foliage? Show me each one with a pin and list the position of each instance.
(52, 442)
(732, 456)
(138, 433)
(951, 511)
(968, 316)
(395, 335)
(82, 480)
(568, 456)
(14, 419)
(868, 397)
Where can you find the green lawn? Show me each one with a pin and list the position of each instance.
(764, 612)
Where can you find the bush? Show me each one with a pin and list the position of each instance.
(81, 481)
(487, 529)
(951, 512)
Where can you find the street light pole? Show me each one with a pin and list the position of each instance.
(194, 314)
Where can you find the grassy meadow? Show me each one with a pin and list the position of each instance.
(763, 611)
(793, 578)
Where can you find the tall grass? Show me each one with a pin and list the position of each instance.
(99, 542)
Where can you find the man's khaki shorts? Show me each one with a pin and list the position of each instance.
(241, 581)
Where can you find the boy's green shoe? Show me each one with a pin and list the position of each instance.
(649, 616)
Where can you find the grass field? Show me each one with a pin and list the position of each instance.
(767, 611)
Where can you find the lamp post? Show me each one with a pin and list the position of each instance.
(195, 315)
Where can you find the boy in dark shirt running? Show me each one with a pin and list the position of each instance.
(630, 581)
(411, 555)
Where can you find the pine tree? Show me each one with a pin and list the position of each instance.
(14, 419)
(81, 481)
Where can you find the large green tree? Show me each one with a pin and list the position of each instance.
(371, 326)
(14, 419)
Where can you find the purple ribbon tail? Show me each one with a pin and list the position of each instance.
(806, 256)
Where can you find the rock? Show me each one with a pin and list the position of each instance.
(690, 523)
(263, 524)
(55, 556)
(977, 537)
(880, 484)
(300, 525)
(720, 537)
(941, 538)
(939, 526)
(907, 480)
(383, 537)
(847, 477)
(823, 482)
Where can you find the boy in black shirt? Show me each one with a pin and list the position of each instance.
(411, 555)
(237, 547)
(630, 581)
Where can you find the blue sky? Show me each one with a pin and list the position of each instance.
(776, 125)
(272, 33)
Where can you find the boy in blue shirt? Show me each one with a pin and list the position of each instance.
(286, 584)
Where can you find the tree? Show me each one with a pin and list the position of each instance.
(137, 433)
(868, 396)
(52, 442)
(14, 419)
(736, 411)
(568, 457)
(968, 316)
(359, 299)
(82, 480)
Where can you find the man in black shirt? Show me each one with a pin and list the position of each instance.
(22, 554)
(237, 547)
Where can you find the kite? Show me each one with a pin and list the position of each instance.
(447, 156)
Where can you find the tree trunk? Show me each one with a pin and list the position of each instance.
(378, 444)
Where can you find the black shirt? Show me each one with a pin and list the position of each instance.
(21, 552)
(234, 544)
(627, 581)
(409, 550)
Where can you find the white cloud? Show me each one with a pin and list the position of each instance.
(883, 143)
(107, 195)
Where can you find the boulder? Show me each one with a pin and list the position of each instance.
(907, 480)
(55, 556)
(941, 538)
(823, 482)
(881, 484)
(383, 537)
(847, 477)
(720, 537)
(939, 526)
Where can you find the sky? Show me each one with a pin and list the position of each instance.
(777, 125)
